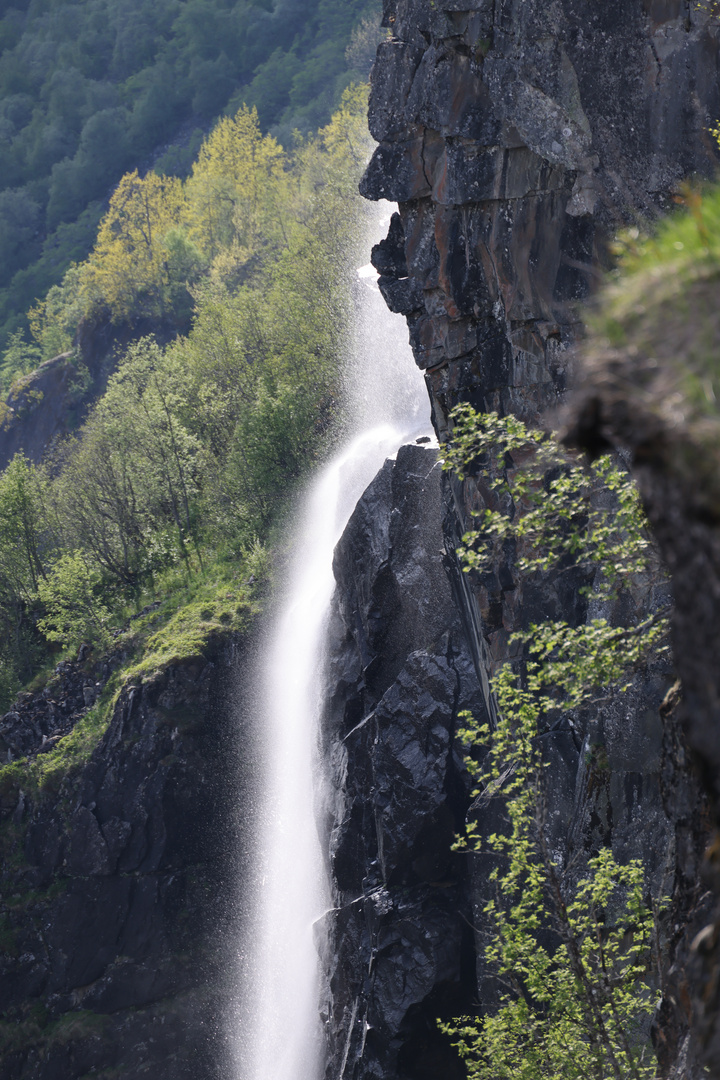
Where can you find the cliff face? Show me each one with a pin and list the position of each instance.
(635, 398)
(117, 879)
(407, 932)
(400, 671)
(516, 137)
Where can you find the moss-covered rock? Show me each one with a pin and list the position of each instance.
(114, 889)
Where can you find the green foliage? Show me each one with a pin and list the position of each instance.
(20, 358)
(573, 951)
(173, 484)
(54, 320)
(25, 545)
(89, 90)
(73, 610)
(571, 945)
(46, 772)
(186, 612)
(130, 269)
(558, 514)
(660, 306)
(35, 1031)
(547, 502)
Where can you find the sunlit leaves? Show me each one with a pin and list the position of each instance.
(129, 269)
(573, 949)
(233, 193)
(570, 943)
(558, 509)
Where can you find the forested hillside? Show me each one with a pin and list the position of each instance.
(136, 555)
(91, 90)
(169, 491)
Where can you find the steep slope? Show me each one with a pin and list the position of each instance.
(91, 90)
(116, 877)
(516, 138)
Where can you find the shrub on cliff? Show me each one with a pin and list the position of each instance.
(74, 612)
(571, 944)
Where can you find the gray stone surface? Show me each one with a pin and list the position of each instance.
(399, 672)
(517, 136)
(118, 884)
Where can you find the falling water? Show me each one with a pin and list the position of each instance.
(280, 1036)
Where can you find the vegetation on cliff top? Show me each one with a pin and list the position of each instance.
(170, 491)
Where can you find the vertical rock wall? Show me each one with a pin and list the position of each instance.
(400, 672)
(118, 885)
(516, 137)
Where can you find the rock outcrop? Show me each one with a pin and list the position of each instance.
(116, 883)
(516, 137)
(406, 935)
(52, 401)
(400, 672)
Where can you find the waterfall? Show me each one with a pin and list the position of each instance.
(278, 1034)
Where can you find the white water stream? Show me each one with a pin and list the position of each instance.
(279, 1036)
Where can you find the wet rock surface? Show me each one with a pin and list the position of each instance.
(399, 673)
(407, 930)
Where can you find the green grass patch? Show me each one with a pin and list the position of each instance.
(188, 633)
(75, 748)
(46, 772)
(193, 610)
(662, 303)
(32, 897)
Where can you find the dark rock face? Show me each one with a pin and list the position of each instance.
(623, 402)
(400, 671)
(407, 931)
(36, 722)
(516, 137)
(115, 890)
(406, 935)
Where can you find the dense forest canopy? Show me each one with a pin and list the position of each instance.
(91, 90)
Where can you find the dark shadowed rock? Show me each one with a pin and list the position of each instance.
(117, 887)
(399, 672)
(516, 138)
